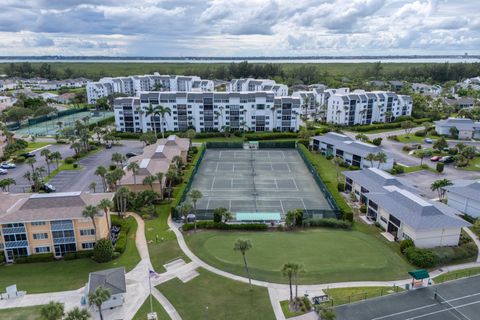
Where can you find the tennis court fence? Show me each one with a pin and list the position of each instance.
(338, 299)
(53, 116)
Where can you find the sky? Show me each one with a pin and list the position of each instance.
(161, 28)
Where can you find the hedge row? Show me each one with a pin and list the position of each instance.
(41, 257)
(380, 126)
(101, 123)
(208, 224)
(125, 225)
(429, 258)
(328, 223)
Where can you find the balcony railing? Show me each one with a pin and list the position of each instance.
(63, 240)
(16, 244)
(62, 226)
(13, 230)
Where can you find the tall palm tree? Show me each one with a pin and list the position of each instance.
(190, 134)
(121, 196)
(118, 158)
(31, 162)
(297, 269)
(161, 111)
(243, 245)
(98, 297)
(90, 212)
(78, 314)
(195, 195)
(55, 156)
(381, 158)
(438, 186)
(134, 167)
(370, 157)
(337, 161)
(288, 271)
(149, 180)
(6, 183)
(171, 176)
(46, 154)
(52, 311)
(160, 176)
(101, 172)
(106, 205)
(92, 186)
(150, 111)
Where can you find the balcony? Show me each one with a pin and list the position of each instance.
(62, 226)
(16, 244)
(64, 240)
(13, 230)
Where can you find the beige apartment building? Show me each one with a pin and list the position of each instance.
(49, 223)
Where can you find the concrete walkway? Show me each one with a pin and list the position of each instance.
(475, 239)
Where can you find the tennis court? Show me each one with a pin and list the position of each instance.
(455, 300)
(270, 180)
(51, 127)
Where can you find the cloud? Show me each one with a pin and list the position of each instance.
(238, 27)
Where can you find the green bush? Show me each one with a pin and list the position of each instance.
(2, 257)
(448, 255)
(381, 126)
(69, 160)
(41, 257)
(397, 169)
(69, 256)
(209, 224)
(19, 159)
(217, 216)
(75, 165)
(377, 141)
(363, 208)
(352, 167)
(328, 223)
(348, 216)
(420, 133)
(341, 187)
(103, 250)
(422, 258)
(83, 254)
(121, 243)
(404, 244)
(453, 151)
(393, 137)
(127, 135)
(440, 166)
(270, 136)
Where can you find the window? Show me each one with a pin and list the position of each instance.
(42, 249)
(40, 236)
(38, 223)
(88, 245)
(87, 232)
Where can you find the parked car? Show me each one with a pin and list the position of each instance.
(435, 158)
(446, 159)
(428, 140)
(48, 188)
(3, 171)
(7, 165)
(130, 154)
(415, 146)
(27, 155)
(108, 145)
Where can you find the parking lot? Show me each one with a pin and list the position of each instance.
(75, 180)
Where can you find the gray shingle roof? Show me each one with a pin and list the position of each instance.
(111, 279)
(349, 145)
(416, 212)
(374, 180)
(463, 124)
(466, 188)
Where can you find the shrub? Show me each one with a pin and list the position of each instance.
(2, 257)
(407, 148)
(353, 168)
(348, 216)
(448, 255)
(452, 151)
(209, 224)
(41, 257)
(217, 216)
(404, 244)
(75, 165)
(103, 250)
(440, 166)
(121, 243)
(270, 136)
(69, 160)
(393, 137)
(341, 187)
(84, 254)
(422, 258)
(69, 256)
(19, 159)
(112, 167)
(116, 255)
(398, 169)
(420, 133)
(329, 223)
(377, 141)
(363, 208)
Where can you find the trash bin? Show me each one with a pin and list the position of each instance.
(407, 286)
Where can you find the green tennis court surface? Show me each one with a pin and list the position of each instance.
(51, 127)
(455, 300)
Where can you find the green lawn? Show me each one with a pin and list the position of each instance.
(65, 275)
(209, 296)
(474, 165)
(328, 255)
(412, 138)
(286, 310)
(145, 309)
(418, 168)
(33, 146)
(339, 296)
(453, 275)
(25, 313)
(62, 167)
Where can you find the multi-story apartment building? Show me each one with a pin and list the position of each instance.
(49, 223)
(133, 85)
(208, 111)
(360, 107)
(254, 85)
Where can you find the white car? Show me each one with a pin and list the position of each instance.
(7, 165)
(3, 171)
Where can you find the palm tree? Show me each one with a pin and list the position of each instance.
(106, 205)
(337, 161)
(56, 156)
(288, 271)
(101, 172)
(31, 162)
(171, 176)
(227, 215)
(90, 212)
(160, 183)
(121, 200)
(150, 111)
(98, 297)
(190, 134)
(177, 160)
(185, 210)
(243, 245)
(46, 154)
(134, 167)
(92, 186)
(438, 186)
(149, 180)
(381, 158)
(118, 158)
(78, 314)
(195, 195)
(59, 124)
(162, 111)
(52, 311)
(370, 157)
(297, 269)
(6, 183)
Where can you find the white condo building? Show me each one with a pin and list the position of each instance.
(254, 85)
(209, 111)
(361, 107)
(133, 85)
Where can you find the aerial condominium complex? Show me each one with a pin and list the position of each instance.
(49, 223)
(133, 85)
(208, 111)
(360, 107)
(253, 85)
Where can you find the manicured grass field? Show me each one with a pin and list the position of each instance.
(25, 313)
(62, 167)
(412, 138)
(64, 275)
(145, 309)
(339, 296)
(286, 310)
(474, 165)
(328, 255)
(453, 275)
(209, 296)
